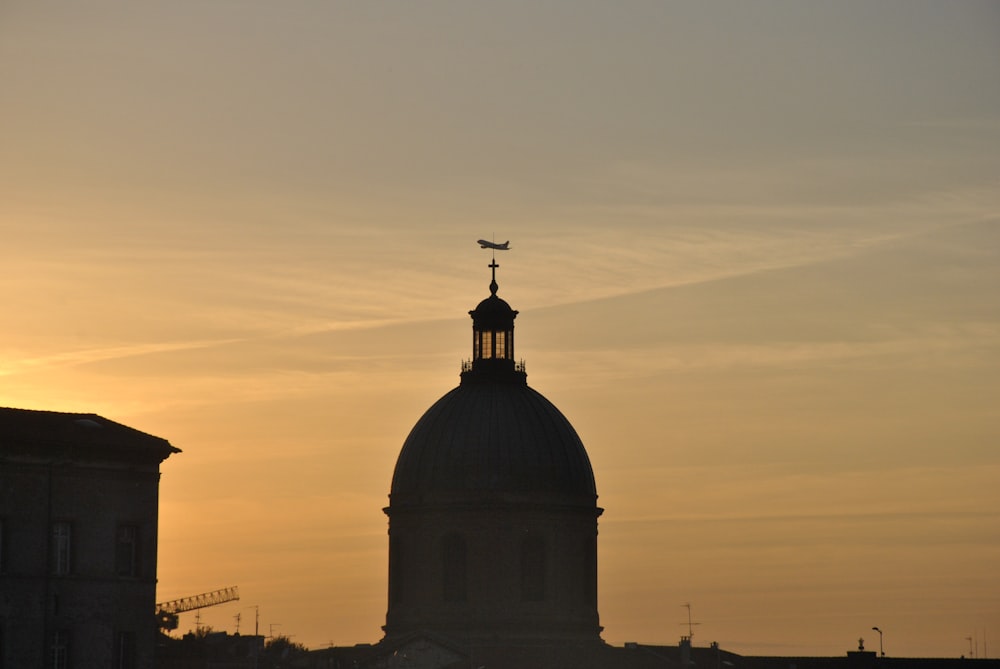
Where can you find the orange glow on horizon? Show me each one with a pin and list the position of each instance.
(757, 270)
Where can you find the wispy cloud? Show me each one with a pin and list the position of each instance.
(17, 364)
(966, 346)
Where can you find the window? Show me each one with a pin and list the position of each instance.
(59, 650)
(395, 571)
(590, 571)
(125, 650)
(486, 347)
(532, 569)
(489, 344)
(453, 559)
(61, 545)
(127, 551)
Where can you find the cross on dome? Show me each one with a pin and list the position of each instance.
(493, 283)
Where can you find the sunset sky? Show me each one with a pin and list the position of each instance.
(755, 249)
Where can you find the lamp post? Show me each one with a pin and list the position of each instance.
(880, 650)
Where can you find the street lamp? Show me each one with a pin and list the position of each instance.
(881, 652)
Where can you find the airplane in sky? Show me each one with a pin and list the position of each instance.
(483, 244)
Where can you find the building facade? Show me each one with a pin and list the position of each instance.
(78, 538)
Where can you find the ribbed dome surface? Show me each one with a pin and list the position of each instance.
(495, 437)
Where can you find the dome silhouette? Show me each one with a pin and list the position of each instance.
(493, 509)
(492, 438)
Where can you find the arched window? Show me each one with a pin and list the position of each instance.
(533, 565)
(590, 571)
(395, 571)
(453, 568)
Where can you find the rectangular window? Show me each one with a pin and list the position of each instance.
(453, 564)
(61, 546)
(59, 650)
(125, 650)
(487, 345)
(501, 345)
(533, 566)
(127, 551)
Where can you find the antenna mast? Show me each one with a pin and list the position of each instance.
(690, 625)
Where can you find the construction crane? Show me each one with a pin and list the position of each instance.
(167, 613)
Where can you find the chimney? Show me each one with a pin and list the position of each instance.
(685, 651)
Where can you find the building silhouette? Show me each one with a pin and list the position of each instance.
(493, 540)
(78, 533)
(493, 510)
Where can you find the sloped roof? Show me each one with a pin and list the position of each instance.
(81, 434)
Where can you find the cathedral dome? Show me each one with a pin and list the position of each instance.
(493, 509)
(496, 438)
